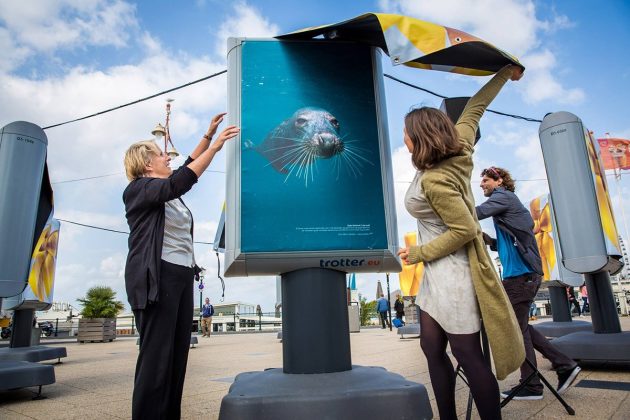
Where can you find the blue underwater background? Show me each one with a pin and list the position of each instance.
(330, 211)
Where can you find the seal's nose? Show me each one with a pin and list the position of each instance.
(327, 144)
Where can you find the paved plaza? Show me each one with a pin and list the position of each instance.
(96, 379)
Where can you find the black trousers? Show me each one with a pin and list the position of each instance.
(521, 291)
(164, 329)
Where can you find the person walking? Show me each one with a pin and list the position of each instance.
(160, 267)
(585, 305)
(573, 300)
(382, 307)
(207, 311)
(459, 285)
(399, 307)
(522, 274)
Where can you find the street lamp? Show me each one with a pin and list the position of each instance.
(162, 132)
(202, 273)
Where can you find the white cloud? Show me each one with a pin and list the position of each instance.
(246, 22)
(543, 85)
(62, 24)
(495, 21)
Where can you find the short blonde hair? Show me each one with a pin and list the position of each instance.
(138, 156)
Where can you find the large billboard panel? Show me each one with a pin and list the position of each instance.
(309, 179)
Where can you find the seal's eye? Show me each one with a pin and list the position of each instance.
(335, 123)
(300, 122)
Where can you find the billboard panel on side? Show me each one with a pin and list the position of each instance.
(309, 180)
(545, 231)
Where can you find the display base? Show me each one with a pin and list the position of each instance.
(33, 353)
(15, 374)
(596, 347)
(363, 393)
(409, 329)
(555, 329)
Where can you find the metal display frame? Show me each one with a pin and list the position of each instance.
(239, 263)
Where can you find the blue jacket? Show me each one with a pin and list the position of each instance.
(509, 214)
(207, 310)
(382, 305)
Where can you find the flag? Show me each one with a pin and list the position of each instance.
(416, 43)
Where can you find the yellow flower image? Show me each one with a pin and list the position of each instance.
(42, 275)
(411, 275)
(603, 198)
(543, 230)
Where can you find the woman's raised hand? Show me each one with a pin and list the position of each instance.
(214, 124)
(229, 132)
(517, 72)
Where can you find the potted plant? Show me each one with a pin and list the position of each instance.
(100, 308)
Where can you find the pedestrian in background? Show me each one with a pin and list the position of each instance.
(399, 307)
(382, 307)
(206, 318)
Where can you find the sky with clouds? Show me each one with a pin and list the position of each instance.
(63, 59)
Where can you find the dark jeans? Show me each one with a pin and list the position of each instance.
(521, 290)
(164, 329)
(384, 320)
(585, 307)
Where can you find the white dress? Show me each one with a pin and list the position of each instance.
(447, 292)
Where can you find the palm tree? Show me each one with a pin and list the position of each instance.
(100, 302)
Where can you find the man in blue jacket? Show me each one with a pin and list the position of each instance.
(207, 311)
(522, 274)
(382, 307)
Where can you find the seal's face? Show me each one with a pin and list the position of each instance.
(296, 144)
(320, 130)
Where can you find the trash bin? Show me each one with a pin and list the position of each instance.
(353, 318)
(195, 325)
(36, 333)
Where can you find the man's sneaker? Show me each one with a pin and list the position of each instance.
(566, 378)
(524, 394)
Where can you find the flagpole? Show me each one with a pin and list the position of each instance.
(617, 171)
(623, 216)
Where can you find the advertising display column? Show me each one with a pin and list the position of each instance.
(586, 230)
(310, 197)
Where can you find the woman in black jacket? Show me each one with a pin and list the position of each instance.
(160, 267)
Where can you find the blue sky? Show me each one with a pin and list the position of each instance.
(64, 59)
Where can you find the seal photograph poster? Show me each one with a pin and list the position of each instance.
(310, 159)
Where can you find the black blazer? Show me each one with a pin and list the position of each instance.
(144, 200)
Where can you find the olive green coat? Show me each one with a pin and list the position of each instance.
(447, 188)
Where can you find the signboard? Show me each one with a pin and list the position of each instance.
(38, 294)
(546, 238)
(309, 179)
(585, 224)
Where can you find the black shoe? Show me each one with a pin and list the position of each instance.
(566, 378)
(524, 394)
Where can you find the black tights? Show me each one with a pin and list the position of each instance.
(467, 350)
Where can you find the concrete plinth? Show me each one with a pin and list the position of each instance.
(362, 392)
(597, 347)
(558, 329)
(409, 329)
